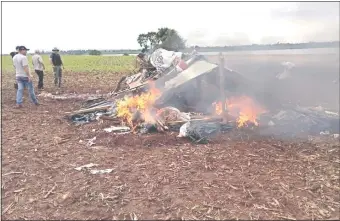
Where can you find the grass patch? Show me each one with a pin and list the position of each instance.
(82, 63)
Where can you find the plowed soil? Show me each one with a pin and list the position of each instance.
(238, 175)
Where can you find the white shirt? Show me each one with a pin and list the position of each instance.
(19, 61)
(37, 62)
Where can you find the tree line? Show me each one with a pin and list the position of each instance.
(170, 39)
(277, 46)
(166, 38)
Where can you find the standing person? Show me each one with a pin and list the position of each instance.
(195, 51)
(15, 52)
(12, 55)
(39, 67)
(57, 63)
(23, 76)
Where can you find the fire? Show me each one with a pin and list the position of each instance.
(243, 108)
(127, 107)
(218, 107)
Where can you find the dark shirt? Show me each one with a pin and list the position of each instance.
(56, 59)
(13, 54)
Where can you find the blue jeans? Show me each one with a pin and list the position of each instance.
(22, 83)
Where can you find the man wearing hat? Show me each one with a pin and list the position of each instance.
(23, 76)
(57, 63)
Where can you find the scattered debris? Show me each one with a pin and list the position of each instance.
(7, 208)
(300, 120)
(101, 171)
(162, 59)
(325, 132)
(148, 128)
(201, 131)
(93, 102)
(98, 147)
(61, 140)
(94, 109)
(117, 129)
(91, 142)
(183, 131)
(50, 191)
(6, 174)
(336, 136)
(86, 166)
(86, 118)
(172, 114)
(70, 96)
(93, 171)
(332, 113)
(19, 190)
(318, 108)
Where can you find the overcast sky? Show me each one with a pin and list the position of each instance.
(116, 25)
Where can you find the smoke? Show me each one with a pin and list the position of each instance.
(206, 39)
(237, 38)
(309, 11)
(198, 38)
(319, 21)
(297, 98)
(305, 81)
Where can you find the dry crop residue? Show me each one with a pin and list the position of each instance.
(155, 176)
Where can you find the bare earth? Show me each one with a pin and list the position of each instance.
(158, 176)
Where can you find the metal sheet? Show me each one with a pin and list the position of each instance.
(196, 69)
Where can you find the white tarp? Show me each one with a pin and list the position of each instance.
(196, 69)
(162, 59)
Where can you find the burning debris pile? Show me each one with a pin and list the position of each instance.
(162, 105)
(243, 109)
(138, 114)
(138, 109)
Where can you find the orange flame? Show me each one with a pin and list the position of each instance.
(243, 108)
(218, 107)
(142, 103)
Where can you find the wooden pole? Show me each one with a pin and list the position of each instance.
(221, 83)
(93, 109)
(211, 119)
(199, 89)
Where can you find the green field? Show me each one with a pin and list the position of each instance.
(82, 63)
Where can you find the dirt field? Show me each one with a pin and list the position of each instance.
(237, 176)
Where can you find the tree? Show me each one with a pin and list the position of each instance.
(166, 38)
(172, 41)
(143, 41)
(152, 38)
(94, 52)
